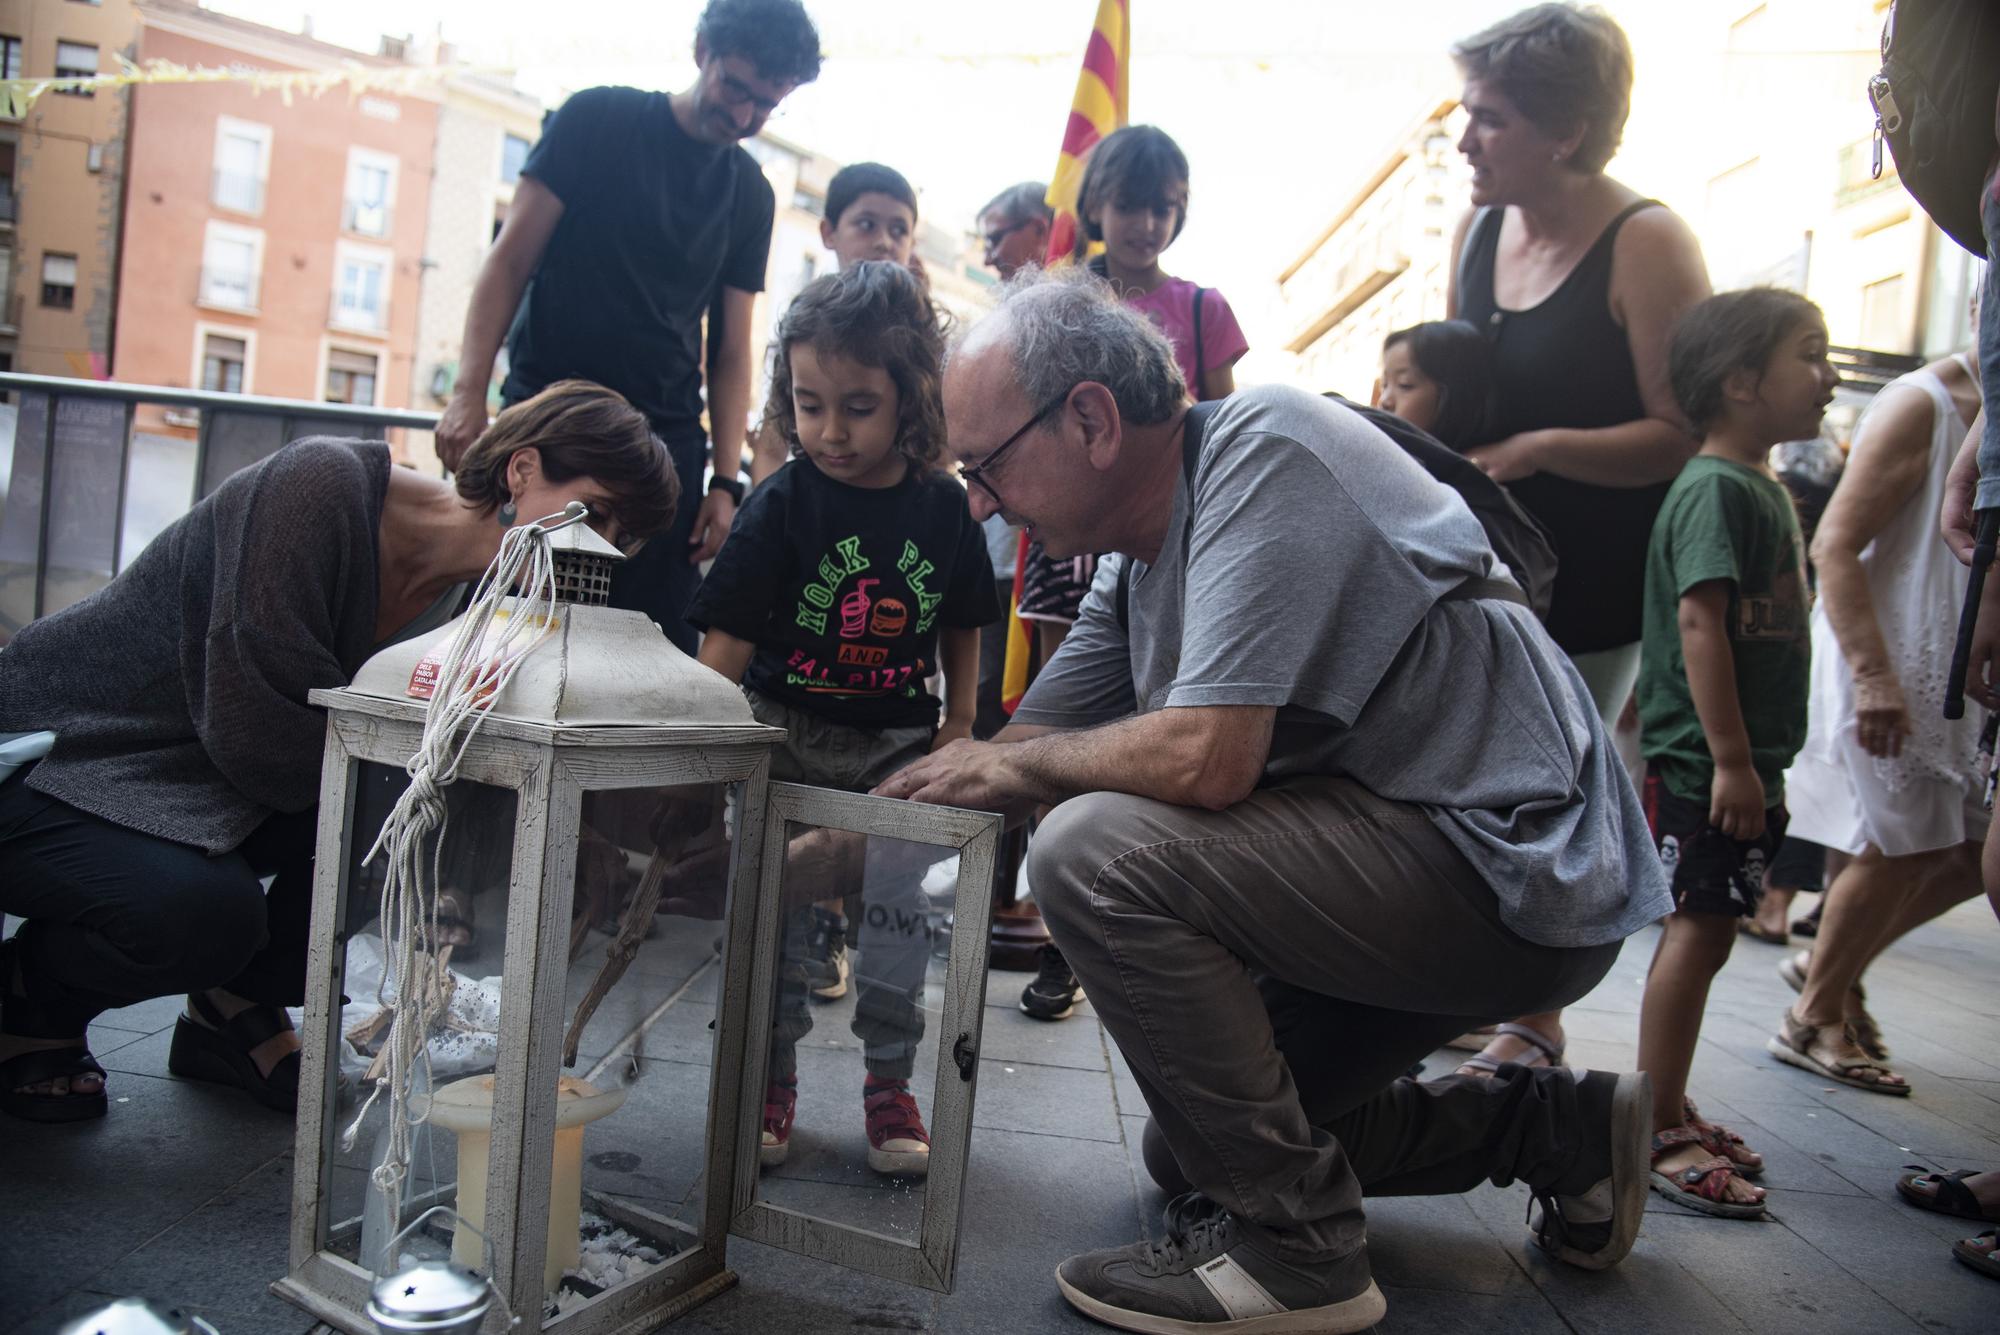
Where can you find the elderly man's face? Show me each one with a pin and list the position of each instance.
(1013, 451)
(1012, 243)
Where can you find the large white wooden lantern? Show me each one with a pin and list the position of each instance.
(622, 901)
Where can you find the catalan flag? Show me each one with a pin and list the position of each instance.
(1103, 88)
(1101, 105)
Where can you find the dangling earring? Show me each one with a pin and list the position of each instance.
(508, 514)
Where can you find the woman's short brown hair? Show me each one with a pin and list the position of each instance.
(1565, 67)
(580, 429)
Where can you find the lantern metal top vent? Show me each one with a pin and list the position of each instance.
(604, 667)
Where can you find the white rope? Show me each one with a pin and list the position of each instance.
(489, 647)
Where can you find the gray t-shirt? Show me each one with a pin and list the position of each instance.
(1309, 579)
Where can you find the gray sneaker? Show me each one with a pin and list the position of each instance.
(1208, 1277)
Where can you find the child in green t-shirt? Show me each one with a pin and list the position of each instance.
(1722, 690)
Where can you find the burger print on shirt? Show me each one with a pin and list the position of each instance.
(844, 590)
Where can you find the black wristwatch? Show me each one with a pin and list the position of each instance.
(732, 485)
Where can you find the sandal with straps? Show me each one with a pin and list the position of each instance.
(1867, 1033)
(1950, 1196)
(1986, 1259)
(1547, 1051)
(1699, 1186)
(219, 1051)
(1806, 1046)
(40, 1065)
(1717, 1139)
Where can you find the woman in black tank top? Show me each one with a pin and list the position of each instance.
(1578, 281)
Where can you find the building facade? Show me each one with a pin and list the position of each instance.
(484, 132)
(62, 170)
(1382, 262)
(271, 248)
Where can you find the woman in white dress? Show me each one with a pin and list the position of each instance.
(1884, 776)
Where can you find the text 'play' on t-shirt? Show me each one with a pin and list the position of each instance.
(843, 590)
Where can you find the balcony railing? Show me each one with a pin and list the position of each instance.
(240, 192)
(82, 491)
(367, 219)
(231, 289)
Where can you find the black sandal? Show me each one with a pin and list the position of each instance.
(1951, 1197)
(1986, 1260)
(39, 1065)
(219, 1051)
(42, 1064)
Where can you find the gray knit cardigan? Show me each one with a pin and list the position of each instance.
(177, 692)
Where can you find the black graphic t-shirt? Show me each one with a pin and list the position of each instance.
(843, 590)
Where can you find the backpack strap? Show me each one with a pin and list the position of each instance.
(1194, 428)
(1193, 434)
(1200, 351)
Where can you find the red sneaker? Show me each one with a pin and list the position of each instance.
(897, 1141)
(781, 1099)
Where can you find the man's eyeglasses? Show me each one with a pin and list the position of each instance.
(736, 93)
(994, 240)
(976, 473)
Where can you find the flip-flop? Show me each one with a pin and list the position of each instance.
(1951, 1197)
(1550, 1050)
(1986, 1260)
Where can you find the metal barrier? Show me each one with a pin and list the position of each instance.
(86, 481)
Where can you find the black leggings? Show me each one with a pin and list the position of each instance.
(116, 917)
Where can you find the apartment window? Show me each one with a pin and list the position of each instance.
(6, 181)
(350, 377)
(242, 164)
(58, 280)
(361, 288)
(371, 193)
(10, 58)
(513, 156)
(222, 361)
(76, 60)
(1883, 326)
(231, 260)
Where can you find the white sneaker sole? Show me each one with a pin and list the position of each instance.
(900, 1163)
(1358, 1313)
(1062, 1014)
(770, 1156)
(1631, 1173)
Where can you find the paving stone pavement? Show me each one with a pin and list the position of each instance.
(182, 1193)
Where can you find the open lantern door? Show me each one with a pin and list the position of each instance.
(632, 922)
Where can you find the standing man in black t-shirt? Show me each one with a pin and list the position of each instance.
(636, 214)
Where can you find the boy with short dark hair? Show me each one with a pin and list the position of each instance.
(871, 214)
(1722, 691)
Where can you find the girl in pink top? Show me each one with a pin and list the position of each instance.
(1134, 199)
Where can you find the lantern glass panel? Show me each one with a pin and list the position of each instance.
(652, 1035)
(884, 904)
(474, 867)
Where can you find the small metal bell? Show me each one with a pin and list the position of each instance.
(434, 1297)
(136, 1316)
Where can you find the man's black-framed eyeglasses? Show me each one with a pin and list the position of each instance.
(736, 93)
(994, 240)
(976, 473)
